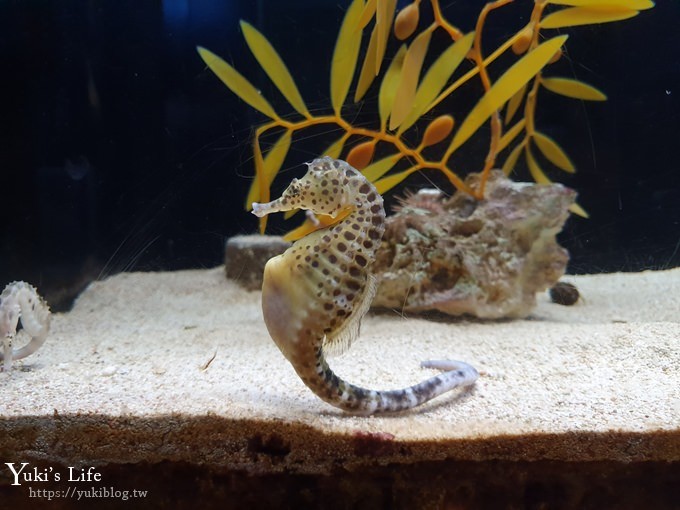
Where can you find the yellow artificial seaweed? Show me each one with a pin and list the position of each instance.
(511, 134)
(575, 16)
(504, 88)
(637, 5)
(512, 159)
(236, 83)
(404, 98)
(408, 81)
(436, 77)
(514, 104)
(376, 48)
(376, 170)
(270, 166)
(272, 64)
(388, 88)
(553, 152)
(345, 55)
(573, 88)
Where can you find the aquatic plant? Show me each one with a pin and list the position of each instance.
(406, 95)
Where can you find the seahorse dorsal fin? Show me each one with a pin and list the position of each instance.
(337, 342)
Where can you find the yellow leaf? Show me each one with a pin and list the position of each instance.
(578, 210)
(436, 77)
(263, 188)
(388, 87)
(367, 73)
(276, 156)
(508, 84)
(345, 55)
(376, 170)
(575, 16)
(270, 166)
(387, 183)
(406, 91)
(534, 169)
(511, 161)
(511, 133)
(367, 13)
(236, 82)
(514, 103)
(637, 5)
(383, 20)
(272, 64)
(573, 88)
(553, 152)
(335, 149)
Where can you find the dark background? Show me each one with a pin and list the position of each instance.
(120, 151)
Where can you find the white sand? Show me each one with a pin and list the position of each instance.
(599, 380)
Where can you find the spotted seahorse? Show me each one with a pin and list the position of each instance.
(315, 294)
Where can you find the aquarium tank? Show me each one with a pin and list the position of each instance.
(192, 184)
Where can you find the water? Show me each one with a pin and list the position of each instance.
(120, 151)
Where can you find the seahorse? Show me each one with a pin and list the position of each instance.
(19, 300)
(315, 294)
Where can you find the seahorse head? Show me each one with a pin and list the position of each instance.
(322, 190)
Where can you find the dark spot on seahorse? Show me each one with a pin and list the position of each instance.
(361, 260)
(324, 191)
(353, 285)
(324, 183)
(354, 271)
(315, 263)
(342, 247)
(328, 306)
(337, 292)
(376, 208)
(335, 182)
(365, 188)
(332, 259)
(308, 258)
(349, 236)
(371, 197)
(316, 248)
(340, 313)
(336, 163)
(350, 173)
(349, 297)
(356, 226)
(374, 234)
(335, 191)
(326, 239)
(368, 244)
(325, 271)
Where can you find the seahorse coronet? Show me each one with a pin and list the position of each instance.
(315, 294)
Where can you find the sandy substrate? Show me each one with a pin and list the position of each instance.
(179, 366)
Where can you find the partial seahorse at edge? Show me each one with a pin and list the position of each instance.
(315, 294)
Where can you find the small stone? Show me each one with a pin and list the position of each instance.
(109, 371)
(563, 293)
(246, 256)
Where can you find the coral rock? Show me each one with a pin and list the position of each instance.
(485, 258)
